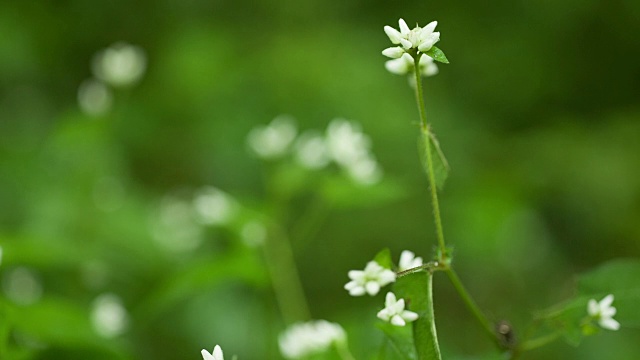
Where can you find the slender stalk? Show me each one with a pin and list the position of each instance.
(539, 342)
(471, 304)
(284, 277)
(343, 351)
(424, 125)
(455, 280)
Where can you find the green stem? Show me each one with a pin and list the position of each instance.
(284, 277)
(343, 351)
(424, 125)
(471, 305)
(539, 342)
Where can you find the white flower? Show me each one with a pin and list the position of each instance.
(603, 312)
(273, 140)
(94, 97)
(120, 64)
(408, 260)
(303, 339)
(346, 142)
(394, 311)
(405, 65)
(419, 38)
(216, 354)
(365, 171)
(213, 206)
(311, 151)
(370, 280)
(108, 316)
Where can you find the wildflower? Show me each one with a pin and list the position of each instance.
(408, 260)
(216, 354)
(420, 39)
(120, 65)
(311, 151)
(603, 312)
(108, 316)
(394, 311)
(273, 140)
(213, 206)
(94, 97)
(304, 339)
(370, 280)
(405, 64)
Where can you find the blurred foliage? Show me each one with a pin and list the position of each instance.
(538, 114)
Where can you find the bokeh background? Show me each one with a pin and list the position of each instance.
(538, 114)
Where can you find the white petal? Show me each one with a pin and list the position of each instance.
(206, 355)
(397, 66)
(404, 29)
(430, 27)
(217, 353)
(393, 34)
(390, 300)
(357, 291)
(386, 277)
(372, 268)
(609, 323)
(372, 287)
(606, 302)
(398, 321)
(409, 315)
(384, 315)
(592, 308)
(356, 275)
(406, 43)
(398, 307)
(608, 312)
(393, 52)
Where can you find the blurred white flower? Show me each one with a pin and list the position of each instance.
(253, 233)
(421, 39)
(311, 151)
(120, 65)
(603, 312)
(213, 206)
(273, 140)
(346, 143)
(94, 97)
(174, 226)
(22, 286)
(405, 65)
(370, 280)
(216, 354)
(365, 171)
(304, 339)
(394, 311)
(108, 316)
(408, 260)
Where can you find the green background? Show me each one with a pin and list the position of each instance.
(538, 115)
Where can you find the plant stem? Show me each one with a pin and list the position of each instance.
(539, 342)
(471, 304)
(424, 125)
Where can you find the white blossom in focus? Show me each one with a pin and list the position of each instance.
(108, 316)
(304, 339)
(405, 65)
(408, 260)
(213, 206)
(216, 354)
(94, 97)
(370, 280)
(421, 39)
(603, 312)
(273, 140)
(120, 65)
(394, 311)
(311, 151)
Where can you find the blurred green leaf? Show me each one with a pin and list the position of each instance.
(437, 55)
(416, 290)
(342, 192)
(398, 343)
(440, 164)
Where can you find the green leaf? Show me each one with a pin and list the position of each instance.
(437, 55)
(398, 343)
(384, 258)
(416, 290)
(440, 164)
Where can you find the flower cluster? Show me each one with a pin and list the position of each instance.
(304, 339)
(418, 39)
(603, 312)
(394, 311)
(370, 280)
(343, 143)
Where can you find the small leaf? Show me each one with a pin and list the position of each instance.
(399, 343)
(440, 164)
(437, 55)
(613, 276)
(416, 289)
(384, 259)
